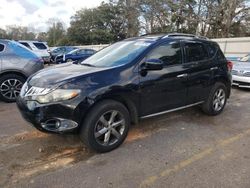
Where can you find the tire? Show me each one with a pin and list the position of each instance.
(69, 60)
(216, 100)
(96, 127)
(10, 87)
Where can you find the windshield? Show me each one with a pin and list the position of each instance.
(73, 51)
(246, 58)
(118, 54)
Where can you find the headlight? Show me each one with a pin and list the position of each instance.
(58, 95)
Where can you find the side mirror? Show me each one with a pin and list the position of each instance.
(152, 64)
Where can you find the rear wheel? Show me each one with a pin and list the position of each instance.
(106, 126)
(216, 101)
(10, 87)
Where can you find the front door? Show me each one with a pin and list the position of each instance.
(164, 89)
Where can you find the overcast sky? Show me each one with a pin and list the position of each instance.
(35, 13)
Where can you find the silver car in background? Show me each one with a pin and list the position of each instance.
(17, 63)
(241, 72)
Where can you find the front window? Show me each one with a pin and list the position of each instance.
(246, 58)
(169, 54)
(118, 54)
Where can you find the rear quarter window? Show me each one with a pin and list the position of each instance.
(40, 45)
(1, 47)
(212, 49)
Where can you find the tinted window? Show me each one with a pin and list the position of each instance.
(195, 52)
(170, 54)
(211, 50)
(26, 44)
(40, 45)
(1, 47)
(220, 56)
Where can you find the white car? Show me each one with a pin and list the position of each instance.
(241, 72)
(41, 49)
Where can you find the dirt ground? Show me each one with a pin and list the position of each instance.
(180, 149)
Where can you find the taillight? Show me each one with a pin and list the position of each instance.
(229, 66)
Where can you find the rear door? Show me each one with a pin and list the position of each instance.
(199, 69)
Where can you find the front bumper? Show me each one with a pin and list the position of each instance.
(53, 118)
(241, 81)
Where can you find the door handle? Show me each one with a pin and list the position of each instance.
(182, 75)
(214, 68)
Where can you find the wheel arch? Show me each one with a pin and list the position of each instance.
(226, 82)
(13, 72)
(129, 104)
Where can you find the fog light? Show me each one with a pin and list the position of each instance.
(59, 124)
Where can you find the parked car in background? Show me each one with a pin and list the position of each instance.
(241, 72)
(130, 80)
(60, 51)
(245, 58)
(17, 63)
(75, 55)
(41, 49)
(232, 59)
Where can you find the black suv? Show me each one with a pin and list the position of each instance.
(127, 81)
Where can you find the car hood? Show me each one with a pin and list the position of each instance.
(244, 66)
(60, 74)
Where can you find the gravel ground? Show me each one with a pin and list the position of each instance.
(180, 149)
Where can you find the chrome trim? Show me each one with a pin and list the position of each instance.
(214, 68)
(172, 110)
(182, 75)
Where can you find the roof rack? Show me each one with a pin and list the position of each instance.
(184, 35)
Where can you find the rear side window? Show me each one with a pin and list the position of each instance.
(1, 47)
(26, 44)
(40, 45)
(170, 54)
(195, 52)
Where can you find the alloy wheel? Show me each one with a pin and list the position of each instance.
(219, 99)
(109, 128)
(11, 88)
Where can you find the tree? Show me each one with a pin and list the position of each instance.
(19, 33)
(104, 24)
(3, 34)
(55, 32)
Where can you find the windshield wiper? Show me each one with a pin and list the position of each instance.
(89, 65)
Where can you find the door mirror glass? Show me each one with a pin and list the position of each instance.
(153, 64)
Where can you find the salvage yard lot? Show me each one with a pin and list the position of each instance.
(180, 149)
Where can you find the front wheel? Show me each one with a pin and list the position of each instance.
(216, 100)
(106, 126)
(10, 87)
